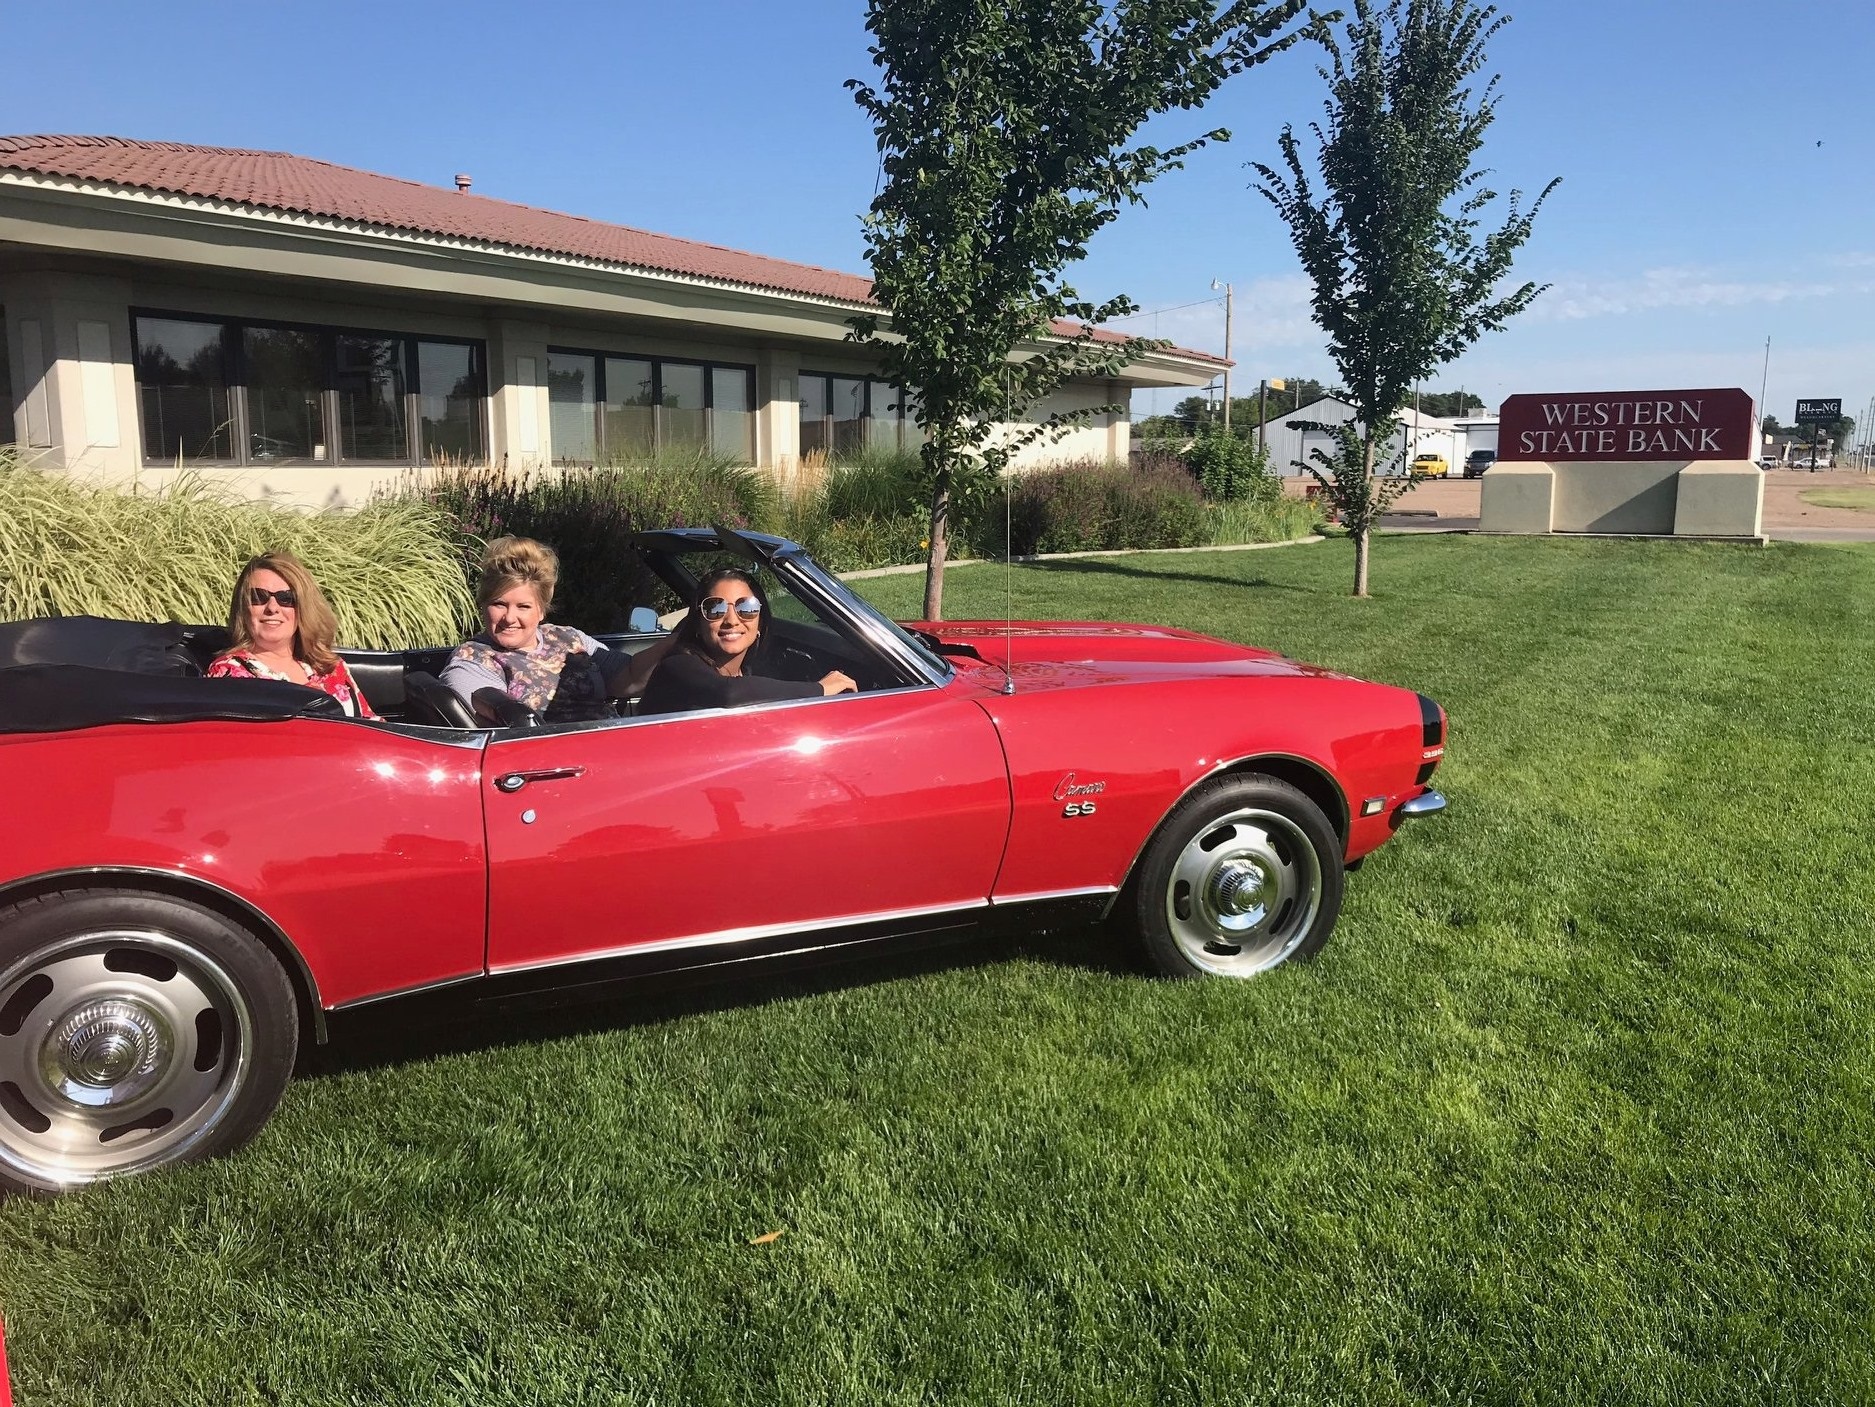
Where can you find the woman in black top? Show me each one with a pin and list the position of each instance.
(707, 665)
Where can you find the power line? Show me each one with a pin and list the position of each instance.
(1175, 308)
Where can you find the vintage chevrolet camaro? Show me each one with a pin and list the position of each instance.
(195, 872)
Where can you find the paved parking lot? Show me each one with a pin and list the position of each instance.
(1451, 505)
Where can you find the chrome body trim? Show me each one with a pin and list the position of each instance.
(57, 877)
(1044, 896)
(411, 990)
(743, 935)
(1427, 803)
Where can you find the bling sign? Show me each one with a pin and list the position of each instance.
(1628, 426)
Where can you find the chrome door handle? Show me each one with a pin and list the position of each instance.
(514, 781)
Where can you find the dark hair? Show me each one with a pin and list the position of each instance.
(690, 633)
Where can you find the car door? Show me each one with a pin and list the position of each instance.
(728, 826)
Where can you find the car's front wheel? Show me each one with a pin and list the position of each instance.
(1244, 876)
(136, 1031)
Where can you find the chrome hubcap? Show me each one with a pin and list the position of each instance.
(1244, 893)
(119, 1050)
(106, 1052)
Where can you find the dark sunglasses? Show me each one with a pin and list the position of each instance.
(260, 596)
(715, 608)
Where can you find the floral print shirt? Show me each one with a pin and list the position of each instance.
(336, 681)
(529, 676)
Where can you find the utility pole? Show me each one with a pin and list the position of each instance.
(1227, 320)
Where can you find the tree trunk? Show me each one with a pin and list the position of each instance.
(934, 560)
(1360, 535)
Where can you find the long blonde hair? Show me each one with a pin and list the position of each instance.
(318, 626)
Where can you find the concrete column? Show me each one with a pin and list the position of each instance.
(778, 413)
(1719, 498)
(1119, 424)
(520, 435)
(1517, 498)
(75, 387)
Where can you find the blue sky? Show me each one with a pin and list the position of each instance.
(1698, 213)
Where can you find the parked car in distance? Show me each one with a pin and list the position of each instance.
(1478, 461)
(195, 872)
(1431, 466)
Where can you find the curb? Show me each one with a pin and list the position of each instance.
(1075, 556)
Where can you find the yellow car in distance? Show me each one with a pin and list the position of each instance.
(1431, 466)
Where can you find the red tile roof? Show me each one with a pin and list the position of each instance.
(277, 180)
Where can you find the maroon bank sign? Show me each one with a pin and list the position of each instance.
(1628, 425)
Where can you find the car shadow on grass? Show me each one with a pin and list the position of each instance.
(459, 1020)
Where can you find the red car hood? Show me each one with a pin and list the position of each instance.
(1072, 654)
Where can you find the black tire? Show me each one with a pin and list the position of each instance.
(137, 1031)
(1244, 876)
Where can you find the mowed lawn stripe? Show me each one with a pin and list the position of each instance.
(1574, 1108)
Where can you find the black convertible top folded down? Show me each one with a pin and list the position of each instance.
(53, 698)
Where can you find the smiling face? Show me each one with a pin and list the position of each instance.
(732, 632)
(513, 617)
(271, 624)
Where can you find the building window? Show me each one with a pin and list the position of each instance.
(182, 390)
(572, 393)
(374, 415)
(619, 409)
(6, 384)
(449, 402)
(842, 414)
(259, 393)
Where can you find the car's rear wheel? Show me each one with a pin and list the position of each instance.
(137, 1031)
(1244, 876)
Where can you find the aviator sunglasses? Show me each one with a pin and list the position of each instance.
(260, 595)
(716, 608)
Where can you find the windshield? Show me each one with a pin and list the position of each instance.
(814, 579)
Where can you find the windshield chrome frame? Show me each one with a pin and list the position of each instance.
(819, 587)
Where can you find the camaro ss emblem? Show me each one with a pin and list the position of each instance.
(1078, 795)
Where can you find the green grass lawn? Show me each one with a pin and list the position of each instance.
(1862, 500)
(1577, 1106)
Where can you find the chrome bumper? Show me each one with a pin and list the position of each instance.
(1429, 804)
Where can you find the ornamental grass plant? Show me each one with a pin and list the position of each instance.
(68, 547)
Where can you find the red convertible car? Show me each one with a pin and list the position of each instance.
(194, 872)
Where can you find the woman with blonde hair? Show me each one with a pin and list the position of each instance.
(281, 628)
(518, 653)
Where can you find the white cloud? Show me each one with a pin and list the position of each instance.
(1690, 287)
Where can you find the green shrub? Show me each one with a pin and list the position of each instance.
(1093, 506)
(1232, 470)
(588, 517)
(72, 548)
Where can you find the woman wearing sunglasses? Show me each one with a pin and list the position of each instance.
(715, 653)
(559, 672)
(282, 628)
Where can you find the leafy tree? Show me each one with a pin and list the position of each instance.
(1402, 281)
(1451, 405)
(1004, 130)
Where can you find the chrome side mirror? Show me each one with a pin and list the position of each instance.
(642, 621)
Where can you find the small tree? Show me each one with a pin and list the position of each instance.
(1402, 281)
(1003, 130)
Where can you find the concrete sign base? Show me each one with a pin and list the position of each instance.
(1651, 497)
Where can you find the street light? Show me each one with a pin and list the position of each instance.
(1215, 285)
